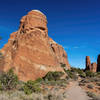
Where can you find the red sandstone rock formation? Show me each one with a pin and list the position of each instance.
(98, 64)
(30, 52)
(88, 63)
(91, 67)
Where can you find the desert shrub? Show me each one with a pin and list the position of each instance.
(93, 96)
(98, 73)
(63, 65)
(79, 71)
(85, 80)
(31, 86)
(81, 84)
(71, 74)
(39, 80)
(8, 80)
(98, 83)
(90, 94)
(89, 74)
(1, 55)
(53, 76)
(90, 86)
(60, 83)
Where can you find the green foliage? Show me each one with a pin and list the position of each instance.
(89, 74)
(31, 86)
(8, 80)
(53, 76)
(69, 73)
(1, 55)
(79, 71)
(39, 80)
(63, 65)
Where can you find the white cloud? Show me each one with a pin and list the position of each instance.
(76, 47)
(66, 47)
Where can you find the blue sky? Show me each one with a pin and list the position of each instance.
(75, 24)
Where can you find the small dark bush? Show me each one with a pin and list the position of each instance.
(1, 55)
(85, 81)
(71, 74)
(90, 86)
(8, 80)
(39, 80)
(81, 84)
(98, 83)
(93, 96)
(63, 65)
(53, 76)
(89, 74)
(31, 86)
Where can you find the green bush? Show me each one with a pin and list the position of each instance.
(1, 55)
(71, 74)
(90, 86)
(39, 80)
(53, 76)
(8, 80)
(63, 65)
(31, 86)
(89, 74)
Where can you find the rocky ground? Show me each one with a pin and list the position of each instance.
(75, 85)
(72, 91)
(92, 86)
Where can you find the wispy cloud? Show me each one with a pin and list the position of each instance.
(76, 47)
(66, 47)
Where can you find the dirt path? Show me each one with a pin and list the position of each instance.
(75, 92)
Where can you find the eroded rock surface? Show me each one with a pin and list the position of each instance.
(90, 66)
(88, 63)
(98, 63)
(30, 52)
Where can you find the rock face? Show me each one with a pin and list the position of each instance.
(30, 52)
(1, 61)
(94, 67)
(98, 64)
(90, 66)
(88, 63)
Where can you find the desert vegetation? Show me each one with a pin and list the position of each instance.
(91, 83)
(46, 88)
(52, 86)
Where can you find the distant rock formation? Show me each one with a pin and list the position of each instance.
(94, 67)
(90, 66)
(30, 52)
(98, 64)
(88, 63)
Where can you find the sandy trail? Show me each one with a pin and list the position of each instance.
(75, 92)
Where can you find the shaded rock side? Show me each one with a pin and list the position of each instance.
(90, 66)
(88, 63)
(30, 52)
(98, 63)
(93, 67)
